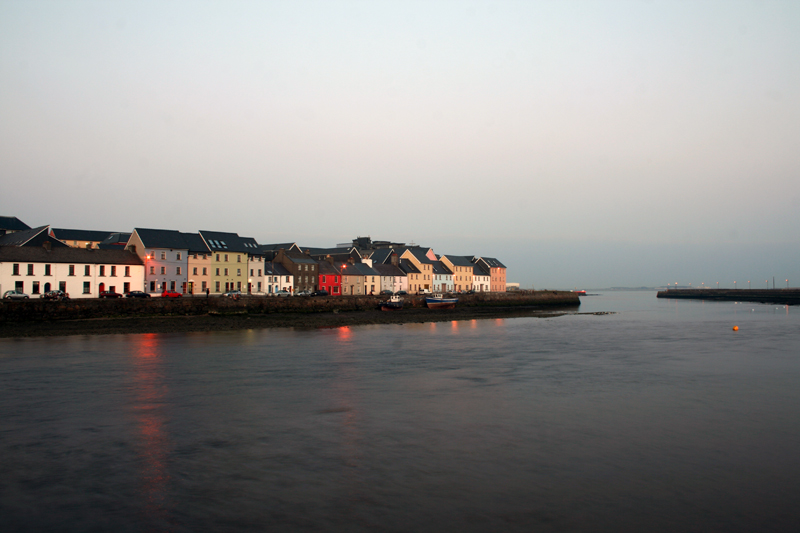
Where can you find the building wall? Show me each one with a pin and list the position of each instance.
(199, 273)
(79, 284)
(163, 268)
(256, 283)
(228, 272)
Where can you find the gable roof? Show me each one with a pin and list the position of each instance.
(388, 270)
(195, 243)
(162, 238)
(480, 269)
(408, 267)
(12, 224)
(441, 268)
(275, 269)
(491, 262)
(459, 260)
(325, 268)
(31, 237)
(221, 241)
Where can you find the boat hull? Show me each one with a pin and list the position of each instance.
(441, 303)
(391, 306)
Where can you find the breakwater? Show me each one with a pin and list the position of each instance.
(38, 310)
(773, 296)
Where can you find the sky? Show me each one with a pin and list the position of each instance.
(584, 144)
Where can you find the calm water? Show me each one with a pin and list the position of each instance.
(657, 418)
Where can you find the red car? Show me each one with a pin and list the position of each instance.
(110, 294)
(170, 294)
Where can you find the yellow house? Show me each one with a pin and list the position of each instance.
(423, 259)
(228, 261)
(462, 269)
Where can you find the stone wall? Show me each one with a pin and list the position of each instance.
(43, 310)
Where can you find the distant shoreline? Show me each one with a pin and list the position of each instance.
(772, 296)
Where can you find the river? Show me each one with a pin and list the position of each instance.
(656, 417)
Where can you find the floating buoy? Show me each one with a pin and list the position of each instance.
(735, 328)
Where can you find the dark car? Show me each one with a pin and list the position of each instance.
(15, 295)
(387, 292)
(137, 294)
(110, 294)
(170, 294)
(55, 295)
(321, 292)
(401, 293)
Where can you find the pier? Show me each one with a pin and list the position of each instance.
(771, 296)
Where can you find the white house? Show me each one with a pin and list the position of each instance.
(442, 278)
(277, 278)
(81, 273)
(481, 279)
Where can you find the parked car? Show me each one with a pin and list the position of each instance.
(401, 293)
(170, 294)
(137, 294)
(14, 295)
(471, 291)
(110, 294)
(282, 293)
(321, 292)
(55, 295)
(233, 294)
(303, 293)
(387, 292)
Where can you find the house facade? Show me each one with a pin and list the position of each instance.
(81, 273)
(462, 269)
(442, 278)
(497, 272)
(330, 279)
(164, 254)
(304, 269)
(228, 269)
(277, 278)
(480, 278)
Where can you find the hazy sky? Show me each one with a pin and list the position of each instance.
(582, 143)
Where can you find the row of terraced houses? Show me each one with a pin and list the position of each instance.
(86, 262)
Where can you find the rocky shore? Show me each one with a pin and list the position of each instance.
(97, 317)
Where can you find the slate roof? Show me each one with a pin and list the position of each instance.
(327, 269)
(459, 260)
(12, 224)
(441, 268)
(195, 243)
(275, 247)
(115, 241)
(301, 258)
(37, 254)
(363, 269)
(275, 269)
(408, 267)
(388, 270)
(162, 238)
(382, 255)
(31, 237)
(480, 270)
(492, 262)
(64, 234)
(221, 241)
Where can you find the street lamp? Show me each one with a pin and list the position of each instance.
(787, 283)
(734, 285)
(748, 284)
(718, 285)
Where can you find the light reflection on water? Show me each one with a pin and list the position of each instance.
(656, 418)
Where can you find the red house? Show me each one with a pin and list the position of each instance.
(330, 278)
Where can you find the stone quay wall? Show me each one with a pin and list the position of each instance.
(775, 296)
(43, 310)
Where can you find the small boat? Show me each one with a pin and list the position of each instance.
(437, 301)
(580, 292)
(392, 304)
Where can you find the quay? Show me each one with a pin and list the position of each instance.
(771, 296)
(198, 313)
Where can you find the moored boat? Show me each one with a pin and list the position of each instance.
(394, 303)
(580, 292)
(437, 301)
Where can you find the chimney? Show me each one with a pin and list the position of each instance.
(394, 259)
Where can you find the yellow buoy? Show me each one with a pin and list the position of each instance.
(735, 328)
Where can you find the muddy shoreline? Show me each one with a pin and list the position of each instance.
(244, 321)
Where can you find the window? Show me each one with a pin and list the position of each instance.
(306, 268)
(172, 286)
(205, 286)
(163, 256)
(30, 270)
(259, 287)
(323, 279)
(312, 268)
(226, 271)
(217, 261)
(152, 286)
(238, 258)
(259, 272)
(178, 256)
(238, 271)
(204, 256)
(86, 271)
(217, 289)
(178, 271)
(86, 288)
(35, 289)
(72, 270)
(204, 271)
(217, 274)
(126, 287)
(226, 258)
(195, 256)
(47, 270)
(251, 271)
(102, 270)
(62, 286)
(194, 271)
(114, 270)
(163, 270)
(127, 272)
(15, 270)
(152, 269)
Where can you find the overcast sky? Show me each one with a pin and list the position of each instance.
(587, 144)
